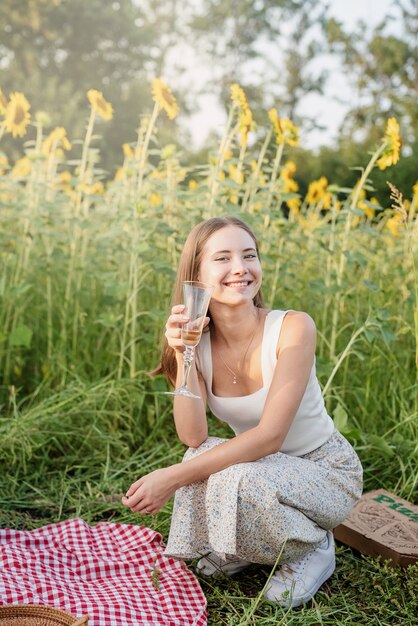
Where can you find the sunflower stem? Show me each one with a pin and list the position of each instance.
(253, 185)
(344, 247)
(144, 151)
(331, 248)
(225, 142)
(276, 166)
(131, 314)
(83, 162)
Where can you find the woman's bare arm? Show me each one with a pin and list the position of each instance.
(190, 415)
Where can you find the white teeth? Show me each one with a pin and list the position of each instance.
(243, 284)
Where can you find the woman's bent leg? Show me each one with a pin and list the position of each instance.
(256, 510)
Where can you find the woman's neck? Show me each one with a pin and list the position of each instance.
(233, 325)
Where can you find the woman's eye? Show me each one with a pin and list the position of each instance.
(250, 256)
(222, 258)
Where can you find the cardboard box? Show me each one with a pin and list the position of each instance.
(382, 524)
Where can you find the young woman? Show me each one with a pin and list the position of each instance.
(287, 477)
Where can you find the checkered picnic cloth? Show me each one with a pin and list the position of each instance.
(104, 570)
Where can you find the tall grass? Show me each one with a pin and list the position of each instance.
(86, 276)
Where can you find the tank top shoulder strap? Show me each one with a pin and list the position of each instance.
(272, 331)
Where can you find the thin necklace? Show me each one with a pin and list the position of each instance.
(234, 380)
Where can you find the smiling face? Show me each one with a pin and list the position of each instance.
(230, 263)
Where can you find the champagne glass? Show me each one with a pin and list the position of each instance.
(196, 297)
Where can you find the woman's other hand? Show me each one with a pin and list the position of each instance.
(149, 493)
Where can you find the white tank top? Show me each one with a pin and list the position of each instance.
(311, 426)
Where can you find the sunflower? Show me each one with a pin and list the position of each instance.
(317, 192)
(236, 174)
(310, 222)
(22, 168)
(99, 104)
(294, 205)
(367, 208)
(163, 96)
(56, 138)
(286, 176)
(128, 153)
(64, 183)
(238, 96)
(155, 199)
(4, 163)
(17, 115)
(286, 131)
(3, 103)
(393, 143)
(94, 188)
(120, 174)
(254, 168)
(288, 170)
(245, 124)
(394, 224)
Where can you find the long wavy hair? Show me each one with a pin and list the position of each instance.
(188, 269)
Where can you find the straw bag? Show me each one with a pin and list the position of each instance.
(37, 615)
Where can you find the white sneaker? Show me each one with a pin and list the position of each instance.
(299, 581)
(213, 564)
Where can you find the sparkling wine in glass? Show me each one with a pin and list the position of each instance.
(196, 297)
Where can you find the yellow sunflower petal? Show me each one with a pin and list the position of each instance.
(155, 199)
(3, 103)
(4, 163)
(127, 151)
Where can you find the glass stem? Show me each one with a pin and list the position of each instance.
(188, 355)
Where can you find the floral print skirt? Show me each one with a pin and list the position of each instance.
(253, 511)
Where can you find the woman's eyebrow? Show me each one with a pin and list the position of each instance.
(228, 251)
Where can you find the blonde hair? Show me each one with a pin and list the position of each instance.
(189, 265)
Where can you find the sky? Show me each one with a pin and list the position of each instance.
(210, 116)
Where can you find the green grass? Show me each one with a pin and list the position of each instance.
(83, 446)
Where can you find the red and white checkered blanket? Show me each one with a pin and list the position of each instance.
(104, 570)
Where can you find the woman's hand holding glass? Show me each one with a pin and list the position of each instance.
(173, 328)
(184, 328)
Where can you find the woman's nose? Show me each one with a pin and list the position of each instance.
(238, 266)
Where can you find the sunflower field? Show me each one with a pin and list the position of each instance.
(87, 267)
